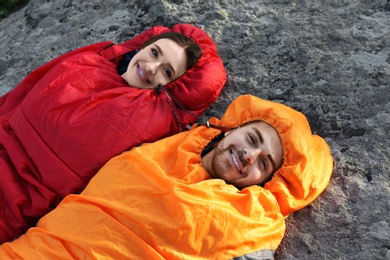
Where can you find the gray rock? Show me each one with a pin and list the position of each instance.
(329, 59)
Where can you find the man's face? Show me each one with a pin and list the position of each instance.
(246, 156)
(158, 63)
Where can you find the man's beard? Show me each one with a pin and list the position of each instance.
(221, 165)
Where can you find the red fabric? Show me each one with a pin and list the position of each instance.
(72, 114)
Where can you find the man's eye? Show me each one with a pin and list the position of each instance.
(252, 139)
(264, 163)
(154, 52)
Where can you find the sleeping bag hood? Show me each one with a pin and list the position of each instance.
(308, 163)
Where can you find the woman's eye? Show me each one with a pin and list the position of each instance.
(154, 52)
(168, 72)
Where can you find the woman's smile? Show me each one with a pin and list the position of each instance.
(142, 74)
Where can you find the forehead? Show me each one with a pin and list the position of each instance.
(260, 125)
(168, 44)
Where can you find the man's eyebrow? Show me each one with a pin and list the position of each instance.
(262, 141)
(169, 65)
(272, 161)
(259, 135)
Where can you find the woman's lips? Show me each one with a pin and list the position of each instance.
(141, 74)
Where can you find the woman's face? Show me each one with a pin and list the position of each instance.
(158, 63)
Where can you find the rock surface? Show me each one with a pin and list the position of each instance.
(329, 59)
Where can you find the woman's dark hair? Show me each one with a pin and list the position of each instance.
(192, 49)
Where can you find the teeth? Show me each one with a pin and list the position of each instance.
(142, 74)
(235, 162)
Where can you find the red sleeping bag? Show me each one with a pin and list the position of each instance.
(67, 118)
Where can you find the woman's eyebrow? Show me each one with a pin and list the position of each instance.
(162, 53)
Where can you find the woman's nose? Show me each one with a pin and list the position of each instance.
(151, 67)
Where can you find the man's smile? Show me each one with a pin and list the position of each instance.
(235, 161)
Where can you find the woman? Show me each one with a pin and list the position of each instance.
(161, 59)
(74, 113)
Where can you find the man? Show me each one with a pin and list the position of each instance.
(174, 199)
(246, 156)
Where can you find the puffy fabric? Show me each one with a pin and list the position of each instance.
(157, 202)
(307, 161)
(67, 118)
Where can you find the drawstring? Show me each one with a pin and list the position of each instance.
(160, 89)
(219, 127)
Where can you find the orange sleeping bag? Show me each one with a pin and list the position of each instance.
(157, 202)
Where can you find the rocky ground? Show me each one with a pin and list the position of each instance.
(329, 59)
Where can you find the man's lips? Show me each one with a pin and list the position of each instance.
(236, 161)
(141, 74)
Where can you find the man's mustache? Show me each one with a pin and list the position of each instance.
(240, 154)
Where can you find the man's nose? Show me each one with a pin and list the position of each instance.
(251, 154)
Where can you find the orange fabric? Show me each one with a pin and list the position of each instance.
(308, 163)
(157, 202)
